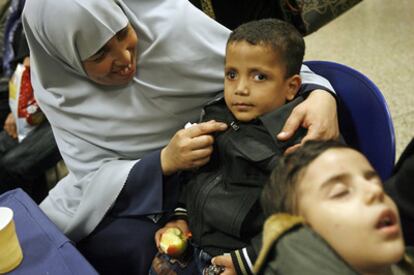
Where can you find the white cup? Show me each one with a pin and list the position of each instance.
(10, 251)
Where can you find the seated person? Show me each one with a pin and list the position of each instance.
(401, 189)
(262, 65)
(345, 223)
(27, 145)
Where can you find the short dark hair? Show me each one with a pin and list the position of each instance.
(282, 37)
(279, 193)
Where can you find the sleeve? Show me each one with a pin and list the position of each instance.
(180, 210)
(146, 190)
(312, 81)
(244, 259)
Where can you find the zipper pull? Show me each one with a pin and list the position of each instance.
(234, 125)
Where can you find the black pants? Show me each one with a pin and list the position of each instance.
(24, 164)
(121, 245)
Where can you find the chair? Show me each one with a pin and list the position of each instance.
(364, 119)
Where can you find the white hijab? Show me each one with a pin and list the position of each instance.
(103, 131)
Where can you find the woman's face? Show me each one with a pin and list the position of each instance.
(342, 198)
(115, 63)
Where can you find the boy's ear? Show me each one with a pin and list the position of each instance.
(293, 83)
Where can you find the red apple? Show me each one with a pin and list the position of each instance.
(173, 242)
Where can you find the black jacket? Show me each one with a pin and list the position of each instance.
(222, 198)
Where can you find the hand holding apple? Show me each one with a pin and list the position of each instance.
(173, 242)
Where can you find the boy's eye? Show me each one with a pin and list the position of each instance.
(260, 77)
(338, 191)
(231, 75)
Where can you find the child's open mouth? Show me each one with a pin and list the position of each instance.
(387, 223)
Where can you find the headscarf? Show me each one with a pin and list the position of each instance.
(103, 131)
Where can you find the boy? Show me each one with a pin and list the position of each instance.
(340, 197)
(262, 65)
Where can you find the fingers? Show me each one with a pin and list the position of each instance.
(11, 130)
(10, 126)
(157, 237)
(292, 149)
(206, 128)
(224, 260)
(292, 124)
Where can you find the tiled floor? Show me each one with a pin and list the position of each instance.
(376, 37)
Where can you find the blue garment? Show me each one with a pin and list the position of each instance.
(123, 242)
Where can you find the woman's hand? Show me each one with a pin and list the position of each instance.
(226, 262)
(10, 126)
(318, 114)
(180, 224)
(190, 148)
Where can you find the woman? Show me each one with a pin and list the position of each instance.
(113, 106)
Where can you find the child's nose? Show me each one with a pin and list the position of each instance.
(374, 193)
(242, 87)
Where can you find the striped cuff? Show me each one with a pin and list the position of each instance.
(243, 260)
(179, 214)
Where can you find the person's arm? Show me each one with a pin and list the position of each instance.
(189, 148)
(239, 261)
(318, 113)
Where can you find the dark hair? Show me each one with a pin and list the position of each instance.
(281, 36)
(279, 193)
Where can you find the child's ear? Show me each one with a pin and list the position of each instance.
(293, 83)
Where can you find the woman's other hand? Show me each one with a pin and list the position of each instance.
(318, 114)
(10, 126)
(226, 262)
(190, 148)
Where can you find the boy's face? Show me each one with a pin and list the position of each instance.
(341, 197)
(255, 81)
(115, 63)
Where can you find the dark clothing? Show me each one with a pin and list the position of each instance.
(400, 187)
(232, 13)
(24, 164)
(123, 242)
(222, 198)
(289, 248)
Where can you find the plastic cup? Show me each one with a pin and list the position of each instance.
(10, 251)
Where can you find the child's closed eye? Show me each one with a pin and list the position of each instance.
(338, 190)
